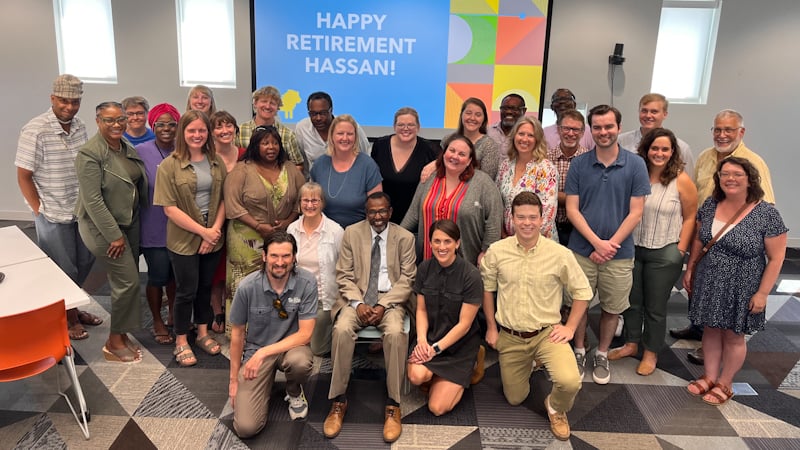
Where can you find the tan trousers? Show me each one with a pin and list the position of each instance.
(516, 358)
(252, 397)
(395, 349)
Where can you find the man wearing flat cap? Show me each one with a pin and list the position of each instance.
(46, 176)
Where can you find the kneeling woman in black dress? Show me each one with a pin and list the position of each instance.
(449, 292)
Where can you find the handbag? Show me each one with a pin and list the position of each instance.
(713, 241)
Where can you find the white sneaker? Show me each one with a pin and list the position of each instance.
(298, 406)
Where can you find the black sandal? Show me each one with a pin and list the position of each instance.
(219, 323)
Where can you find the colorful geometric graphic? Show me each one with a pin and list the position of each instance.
(507, 38)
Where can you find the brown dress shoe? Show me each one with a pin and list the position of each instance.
(479, 370)
(333, 423)
(559, 425)
(392, 428)
(648, 364)
(629, 349)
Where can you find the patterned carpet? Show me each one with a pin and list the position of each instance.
(156, 404)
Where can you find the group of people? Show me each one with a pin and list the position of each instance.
(305, 237)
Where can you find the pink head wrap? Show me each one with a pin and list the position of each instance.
(161, 109)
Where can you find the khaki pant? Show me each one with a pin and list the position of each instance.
(516, 358)
(395, 349)
(252, 397)
(611, 281)
(321, 338)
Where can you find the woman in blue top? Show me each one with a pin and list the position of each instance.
(346, 175)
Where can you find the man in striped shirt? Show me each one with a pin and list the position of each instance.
(46, 176)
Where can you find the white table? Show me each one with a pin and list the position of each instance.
(32, 284)
(17, 247)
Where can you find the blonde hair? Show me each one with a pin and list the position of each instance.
(204, 90)
(311, 188)
(540, 150)
(654, 97)
(336, 121)
(268, 92)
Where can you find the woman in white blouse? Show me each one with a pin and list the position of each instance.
(661, 238)
(318, 241)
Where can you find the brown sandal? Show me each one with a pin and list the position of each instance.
(87, 318)
(207, 343)
(77, 332)
(121, 355)
(182, 353)
(720, 400)
(701, 391)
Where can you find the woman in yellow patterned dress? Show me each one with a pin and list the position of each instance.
(261, 196)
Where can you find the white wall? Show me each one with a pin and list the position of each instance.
(147, 64)
(755, 71)
(756, 68)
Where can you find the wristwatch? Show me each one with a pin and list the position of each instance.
(436, 348)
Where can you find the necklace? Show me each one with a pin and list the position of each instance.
(344, 180)
(163, 155)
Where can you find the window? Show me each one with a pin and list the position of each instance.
(687, 37)
(206, 50)
(86, 51)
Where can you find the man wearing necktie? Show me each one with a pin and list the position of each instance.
(375, 273)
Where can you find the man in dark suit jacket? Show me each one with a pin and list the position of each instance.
(375, 273)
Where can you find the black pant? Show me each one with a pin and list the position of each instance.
(194, 275)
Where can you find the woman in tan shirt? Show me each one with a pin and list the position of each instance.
(189, 187)
(261, 196)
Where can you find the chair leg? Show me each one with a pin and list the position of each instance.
(69, 365)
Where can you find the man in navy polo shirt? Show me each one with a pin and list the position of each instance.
(606, 189)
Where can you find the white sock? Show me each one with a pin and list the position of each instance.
(603, 354)
(581, 351)
(550, 408)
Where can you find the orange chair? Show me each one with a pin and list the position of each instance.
(34, 341)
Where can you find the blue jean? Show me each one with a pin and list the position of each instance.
(63, 244)
(194, 275)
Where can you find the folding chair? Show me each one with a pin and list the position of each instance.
(370, 334)
(34, 341)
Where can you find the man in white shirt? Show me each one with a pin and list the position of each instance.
(652, 112)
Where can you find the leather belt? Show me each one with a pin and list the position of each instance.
(522, 334)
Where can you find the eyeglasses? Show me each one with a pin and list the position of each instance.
(731, 175)
(314, 114)
(312, 201)
(570, 130)
(378, 212)
(110, 121)
(278, 304)
(727, 131)
(135, 113)
(165, 124)
(405, 126)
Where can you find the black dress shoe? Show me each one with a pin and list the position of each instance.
(696, 356)
(689, 333)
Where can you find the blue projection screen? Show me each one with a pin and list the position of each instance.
(376, 56)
